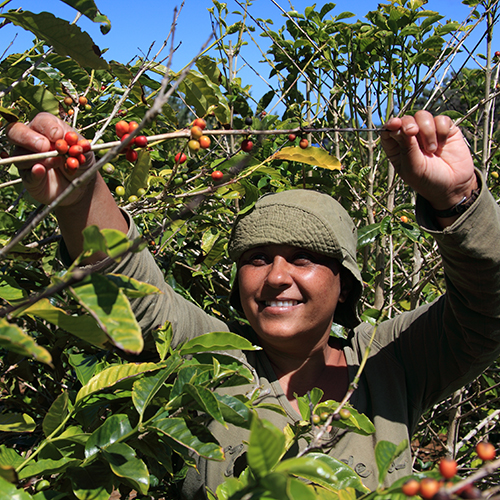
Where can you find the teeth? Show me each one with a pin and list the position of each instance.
(281, 303)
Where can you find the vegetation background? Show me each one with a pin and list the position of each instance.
(76, 418)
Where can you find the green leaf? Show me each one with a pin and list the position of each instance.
(8, 473)
(313, 397)
(112, 375)
(38, 96)
(109, 241)
(47, 466)
(308, 468)
(217, 341)
(10, 290)
(163, 338)
(145, 389)
(177, 430)
(113, 429)
(139, 177)
(10, 457)
(297, 490)
(94, 482)
(132, 288)
(357, 422)
(88, 8)
(368, 234)
(266, 445)
(124, 463)
(83, 327)
(67, 39)
(109, 306)
(9, 492)
(16, 422)
(346, 477)
(234, 411)
(206, 400)
(311, 156)
(385, 454)
(56, 414)
(85, 366)
(14, 339)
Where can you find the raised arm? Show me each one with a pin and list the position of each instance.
(91, 204)
(430, 155)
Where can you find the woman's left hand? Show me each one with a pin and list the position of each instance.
(430, 154)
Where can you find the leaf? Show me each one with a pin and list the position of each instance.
(346, 477)
(83, 327)
(113, 429)
(307, 467)
(57, 413)
(108, 304)
(312, 398)
(145, 389)
(10, 457)
(8, 473)
(9, 492)
(47, 466)
(217, 341)
(177, 430)
(234, 411)
(112, 375)
(38, 96)
(93, 482)
(67, 39)
(124, 463)
(312, 156)
(16, 422)
(163, 338)
(132, 288)
(206, 400)
(10, 290)
(109, 241)
(139, 177)
(14, 339)
(266, 445)
(85, 366)
(368, 234)
(357, 422)
(88, 8)
(385, 454)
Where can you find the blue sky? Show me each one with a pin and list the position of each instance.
(137, 24)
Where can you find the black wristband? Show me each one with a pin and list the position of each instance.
(460, 207)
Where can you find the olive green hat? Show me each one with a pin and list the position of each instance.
(304, 219)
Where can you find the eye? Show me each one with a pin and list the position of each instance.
(303, 258)
(256, 259)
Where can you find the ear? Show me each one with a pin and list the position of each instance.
(345, 285)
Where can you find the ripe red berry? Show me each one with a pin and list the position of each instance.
(200, 122)
(217, 175)
(141, 141)
(83, 100)
(247, 145)
(85, 144)
(411, 487)
(448, 468)
(497, 53)
(132, 125)
(75, 150)
(122, 128)
(180, 158)
(204, 141)
(61, 146)
(428, 488)
(304, 143)
(485, 451)
(404, 219)
(292, 137)
(81, 159)
(72, 164)
(71, 138)
(131, 155)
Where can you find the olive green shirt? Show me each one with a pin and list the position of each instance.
(416, 360)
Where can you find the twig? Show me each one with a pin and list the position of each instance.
(185, 134)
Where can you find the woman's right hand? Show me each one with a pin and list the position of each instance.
(46, 180)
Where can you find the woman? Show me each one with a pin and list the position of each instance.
(297, 274)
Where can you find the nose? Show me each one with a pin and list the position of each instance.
(279, 273)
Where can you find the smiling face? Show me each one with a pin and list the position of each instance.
(289, 295)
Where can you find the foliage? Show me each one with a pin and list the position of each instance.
(82, 406)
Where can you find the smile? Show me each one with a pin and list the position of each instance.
(281, 303)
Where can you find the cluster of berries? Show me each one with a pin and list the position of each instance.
(430, 489)
(82, 101)
(198, 139)
(123, 130)
(75, 149)
(303, 143)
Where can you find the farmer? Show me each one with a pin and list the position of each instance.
(297, 273)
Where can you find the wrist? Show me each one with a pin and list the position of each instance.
(458, 202)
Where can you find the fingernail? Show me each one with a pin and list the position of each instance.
(38, 144)
(432, 147)
(53, 133)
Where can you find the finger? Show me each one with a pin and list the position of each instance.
(27, 139)
(50, 126)
(427, 134)
(444, 126)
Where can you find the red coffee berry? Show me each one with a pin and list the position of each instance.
(247, 145)
(71, 138)
(61, 146)
(83, 100)
(411, 487)
(428, 488)
(292, 137)
(75, 150)
(85, 144)
(122, 128)
(72, 164)
(141, 141)
(132, 125)
(217, 175)
(131, 155)
(180, 158)
(200, 122)
(204, 141)
(304, 143)
(448, 468)
(485, 451)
